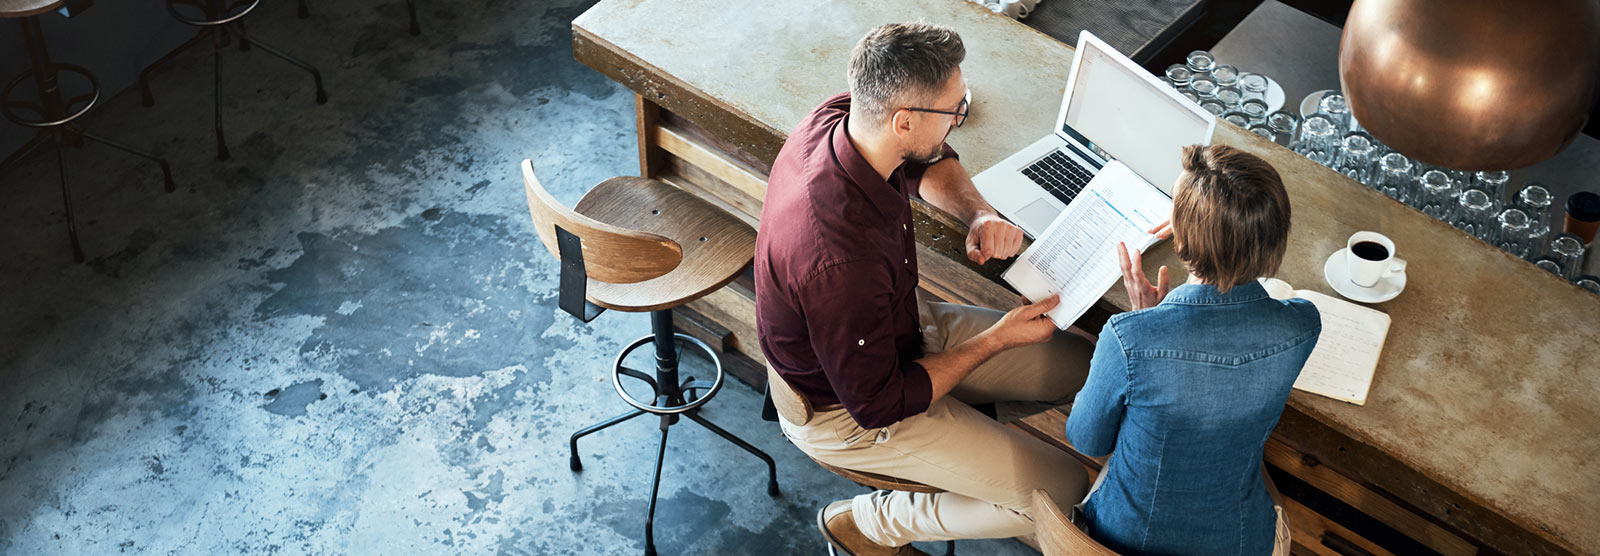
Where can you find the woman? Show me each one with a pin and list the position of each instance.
(1188, 384)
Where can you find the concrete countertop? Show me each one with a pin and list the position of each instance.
(1487, 383)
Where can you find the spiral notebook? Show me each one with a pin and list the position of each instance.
(1346, 357)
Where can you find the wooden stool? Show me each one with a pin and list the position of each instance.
(1057, 535)
(53, 113)
(797, 410)
(636, 244)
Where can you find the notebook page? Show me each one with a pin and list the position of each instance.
(1346, 356)
(1076, 256)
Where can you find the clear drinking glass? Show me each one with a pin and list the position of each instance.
(1548, 263)
(1319, 140)
(1493, 183)
(1255, 108)
(1200, 62)
(1567, 249)
(1357, 155)
(1188, 94)
(1203, 86)
(1473, 212)
(1284, 123)
(1535, 200)
(1591, 283)
(1513, 234)
(1237, 117)
(1226, 75)
(1254, 86)
(1394, 177)
(1178, 76)
(1438, 194)
(1264, 130)
(1213, 106)
(1230, 96)
(1337, 110)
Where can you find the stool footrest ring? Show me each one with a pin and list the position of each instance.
(710, 388)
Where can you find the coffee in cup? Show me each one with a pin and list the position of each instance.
(1370, 257)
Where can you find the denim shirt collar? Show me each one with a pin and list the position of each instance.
(1205, 294)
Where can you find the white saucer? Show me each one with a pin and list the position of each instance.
(1338, 276)
(1313, 102)
(1274, 95)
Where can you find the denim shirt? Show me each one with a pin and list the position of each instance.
(1186, 393)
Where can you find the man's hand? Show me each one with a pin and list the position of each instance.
(1025, 325)
(992, 237)
(1141, 294)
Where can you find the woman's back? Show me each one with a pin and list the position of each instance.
(1204, 377)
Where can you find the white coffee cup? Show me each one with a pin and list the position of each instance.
(1369, 256)
(1009, 8)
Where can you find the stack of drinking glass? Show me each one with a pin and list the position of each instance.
(1475, 202)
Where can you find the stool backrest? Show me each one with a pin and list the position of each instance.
(792, 406)
(1057, 535)
(610, 253)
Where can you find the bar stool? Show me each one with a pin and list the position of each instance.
(636, 245)
(220, 21)
(411, 6)
(797, 410)
(1057, 535)
(53, 114)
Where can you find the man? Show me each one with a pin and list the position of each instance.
(839, 319)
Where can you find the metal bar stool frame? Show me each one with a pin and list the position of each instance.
(54, 116)
(220, 21)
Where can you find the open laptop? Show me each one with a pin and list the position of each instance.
(1113, 109)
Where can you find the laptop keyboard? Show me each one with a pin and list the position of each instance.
(1060, 175)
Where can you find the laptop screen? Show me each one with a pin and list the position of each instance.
(1132, 116)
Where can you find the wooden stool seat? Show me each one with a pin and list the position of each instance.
(27, 8)
(1057, 535)
(716, 245)
(878, 482)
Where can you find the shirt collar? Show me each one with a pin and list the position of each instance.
(887, 195)
(1206, 294)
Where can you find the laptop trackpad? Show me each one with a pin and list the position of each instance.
(1038, 215)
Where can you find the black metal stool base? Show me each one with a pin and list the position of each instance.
(54, 116)
(222, 28)
(672, 398)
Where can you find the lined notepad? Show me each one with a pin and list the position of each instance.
(1346, 357)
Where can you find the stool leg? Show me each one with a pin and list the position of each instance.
(27, 149)
(576, 464)
(655, 487)
(411, 6)
(166, 170)
(322, 95)
(950, 548)
(216, 105)
(144, 75)
(772, 468)
(66, 196)
(303, 13)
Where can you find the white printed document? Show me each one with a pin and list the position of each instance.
(1346, 357)
(1076, 256)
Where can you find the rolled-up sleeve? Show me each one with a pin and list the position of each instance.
(848, 310)
(1097, 412)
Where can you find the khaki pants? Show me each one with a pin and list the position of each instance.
(988, 470)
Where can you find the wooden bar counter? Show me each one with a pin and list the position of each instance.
(1481, 434)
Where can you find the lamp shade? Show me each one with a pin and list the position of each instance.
(1472, 84)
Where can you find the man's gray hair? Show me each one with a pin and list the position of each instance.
(898, 64)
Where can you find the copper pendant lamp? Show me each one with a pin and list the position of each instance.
(1472, 84)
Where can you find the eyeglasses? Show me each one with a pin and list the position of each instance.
(960, 112)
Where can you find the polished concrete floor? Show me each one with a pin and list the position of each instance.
(345, 340)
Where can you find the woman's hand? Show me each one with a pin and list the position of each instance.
(1141, 294)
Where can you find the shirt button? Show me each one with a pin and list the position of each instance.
(861, 342)
(903, 227)
(908, 261)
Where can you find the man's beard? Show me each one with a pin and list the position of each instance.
(930, 157)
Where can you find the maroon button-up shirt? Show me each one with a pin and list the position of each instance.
(836, 274)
